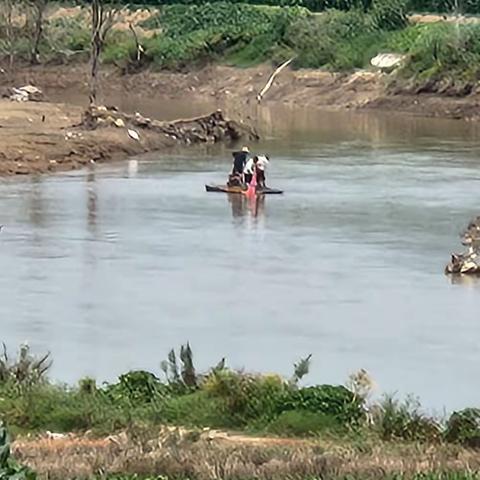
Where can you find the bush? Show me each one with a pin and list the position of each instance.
(443, 54)
(303, 423)
(405, 421)
(197, 34)
(9, 468)
(197, 409)
(24, 371)
(321, 41)
(334, 401)
(136, 386)
(246, 396)
(464, 427)
(389, 14)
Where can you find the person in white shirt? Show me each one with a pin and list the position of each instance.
(260, 166)
(248, 170)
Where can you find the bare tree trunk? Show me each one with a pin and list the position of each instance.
(8, 18)
(138, 46)
(39, 10)
(94, 64)
(102, 22)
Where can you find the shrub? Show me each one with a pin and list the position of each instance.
(136, 386)
(303, 423)
(26, 370)
(9, 468)
(246, 396)
(389, 14)
(318, 41)
(70, 33)
(335, 401)
(196, 34)
(197, 409)
(405, 421)
(464, 427)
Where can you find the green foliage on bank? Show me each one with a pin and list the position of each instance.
(9, 468)
(471, 7)
(219, 398)
(440, 57)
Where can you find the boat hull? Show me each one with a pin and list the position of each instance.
(227, 189)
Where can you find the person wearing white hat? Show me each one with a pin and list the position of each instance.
(239, 161)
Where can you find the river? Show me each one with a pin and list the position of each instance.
(111, 267)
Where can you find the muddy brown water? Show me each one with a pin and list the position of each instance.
(110, 268)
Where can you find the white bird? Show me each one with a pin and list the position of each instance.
(133, 134)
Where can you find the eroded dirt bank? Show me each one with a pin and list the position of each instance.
(364, 90)
(40, 137)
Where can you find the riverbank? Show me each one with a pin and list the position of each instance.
(236, 87)
(41, 137)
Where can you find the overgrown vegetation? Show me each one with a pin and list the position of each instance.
(440, 57)
(440, 6)
(219, 398)
(9, 468)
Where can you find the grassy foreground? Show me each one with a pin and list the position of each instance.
(284, 430)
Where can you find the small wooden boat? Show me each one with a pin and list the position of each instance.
(238, 189)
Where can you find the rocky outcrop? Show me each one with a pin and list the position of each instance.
(469, 261)
(206, 129)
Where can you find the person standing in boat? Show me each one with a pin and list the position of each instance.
(239, 162)
(260, 167)
(249, 169)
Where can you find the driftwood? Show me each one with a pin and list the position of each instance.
(272, 78)
(204, 129)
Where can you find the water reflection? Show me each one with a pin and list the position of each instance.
(132, 168)
(246, 207)
(91, 202)
(471, 281)
(36, 205)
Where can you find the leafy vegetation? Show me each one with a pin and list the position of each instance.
(218, 398)
(439, 57)
(440, 6)
(464, 427)
(9, 468)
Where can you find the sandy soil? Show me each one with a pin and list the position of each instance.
(30, 145)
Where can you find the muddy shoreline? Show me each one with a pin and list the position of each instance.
(36, 137)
